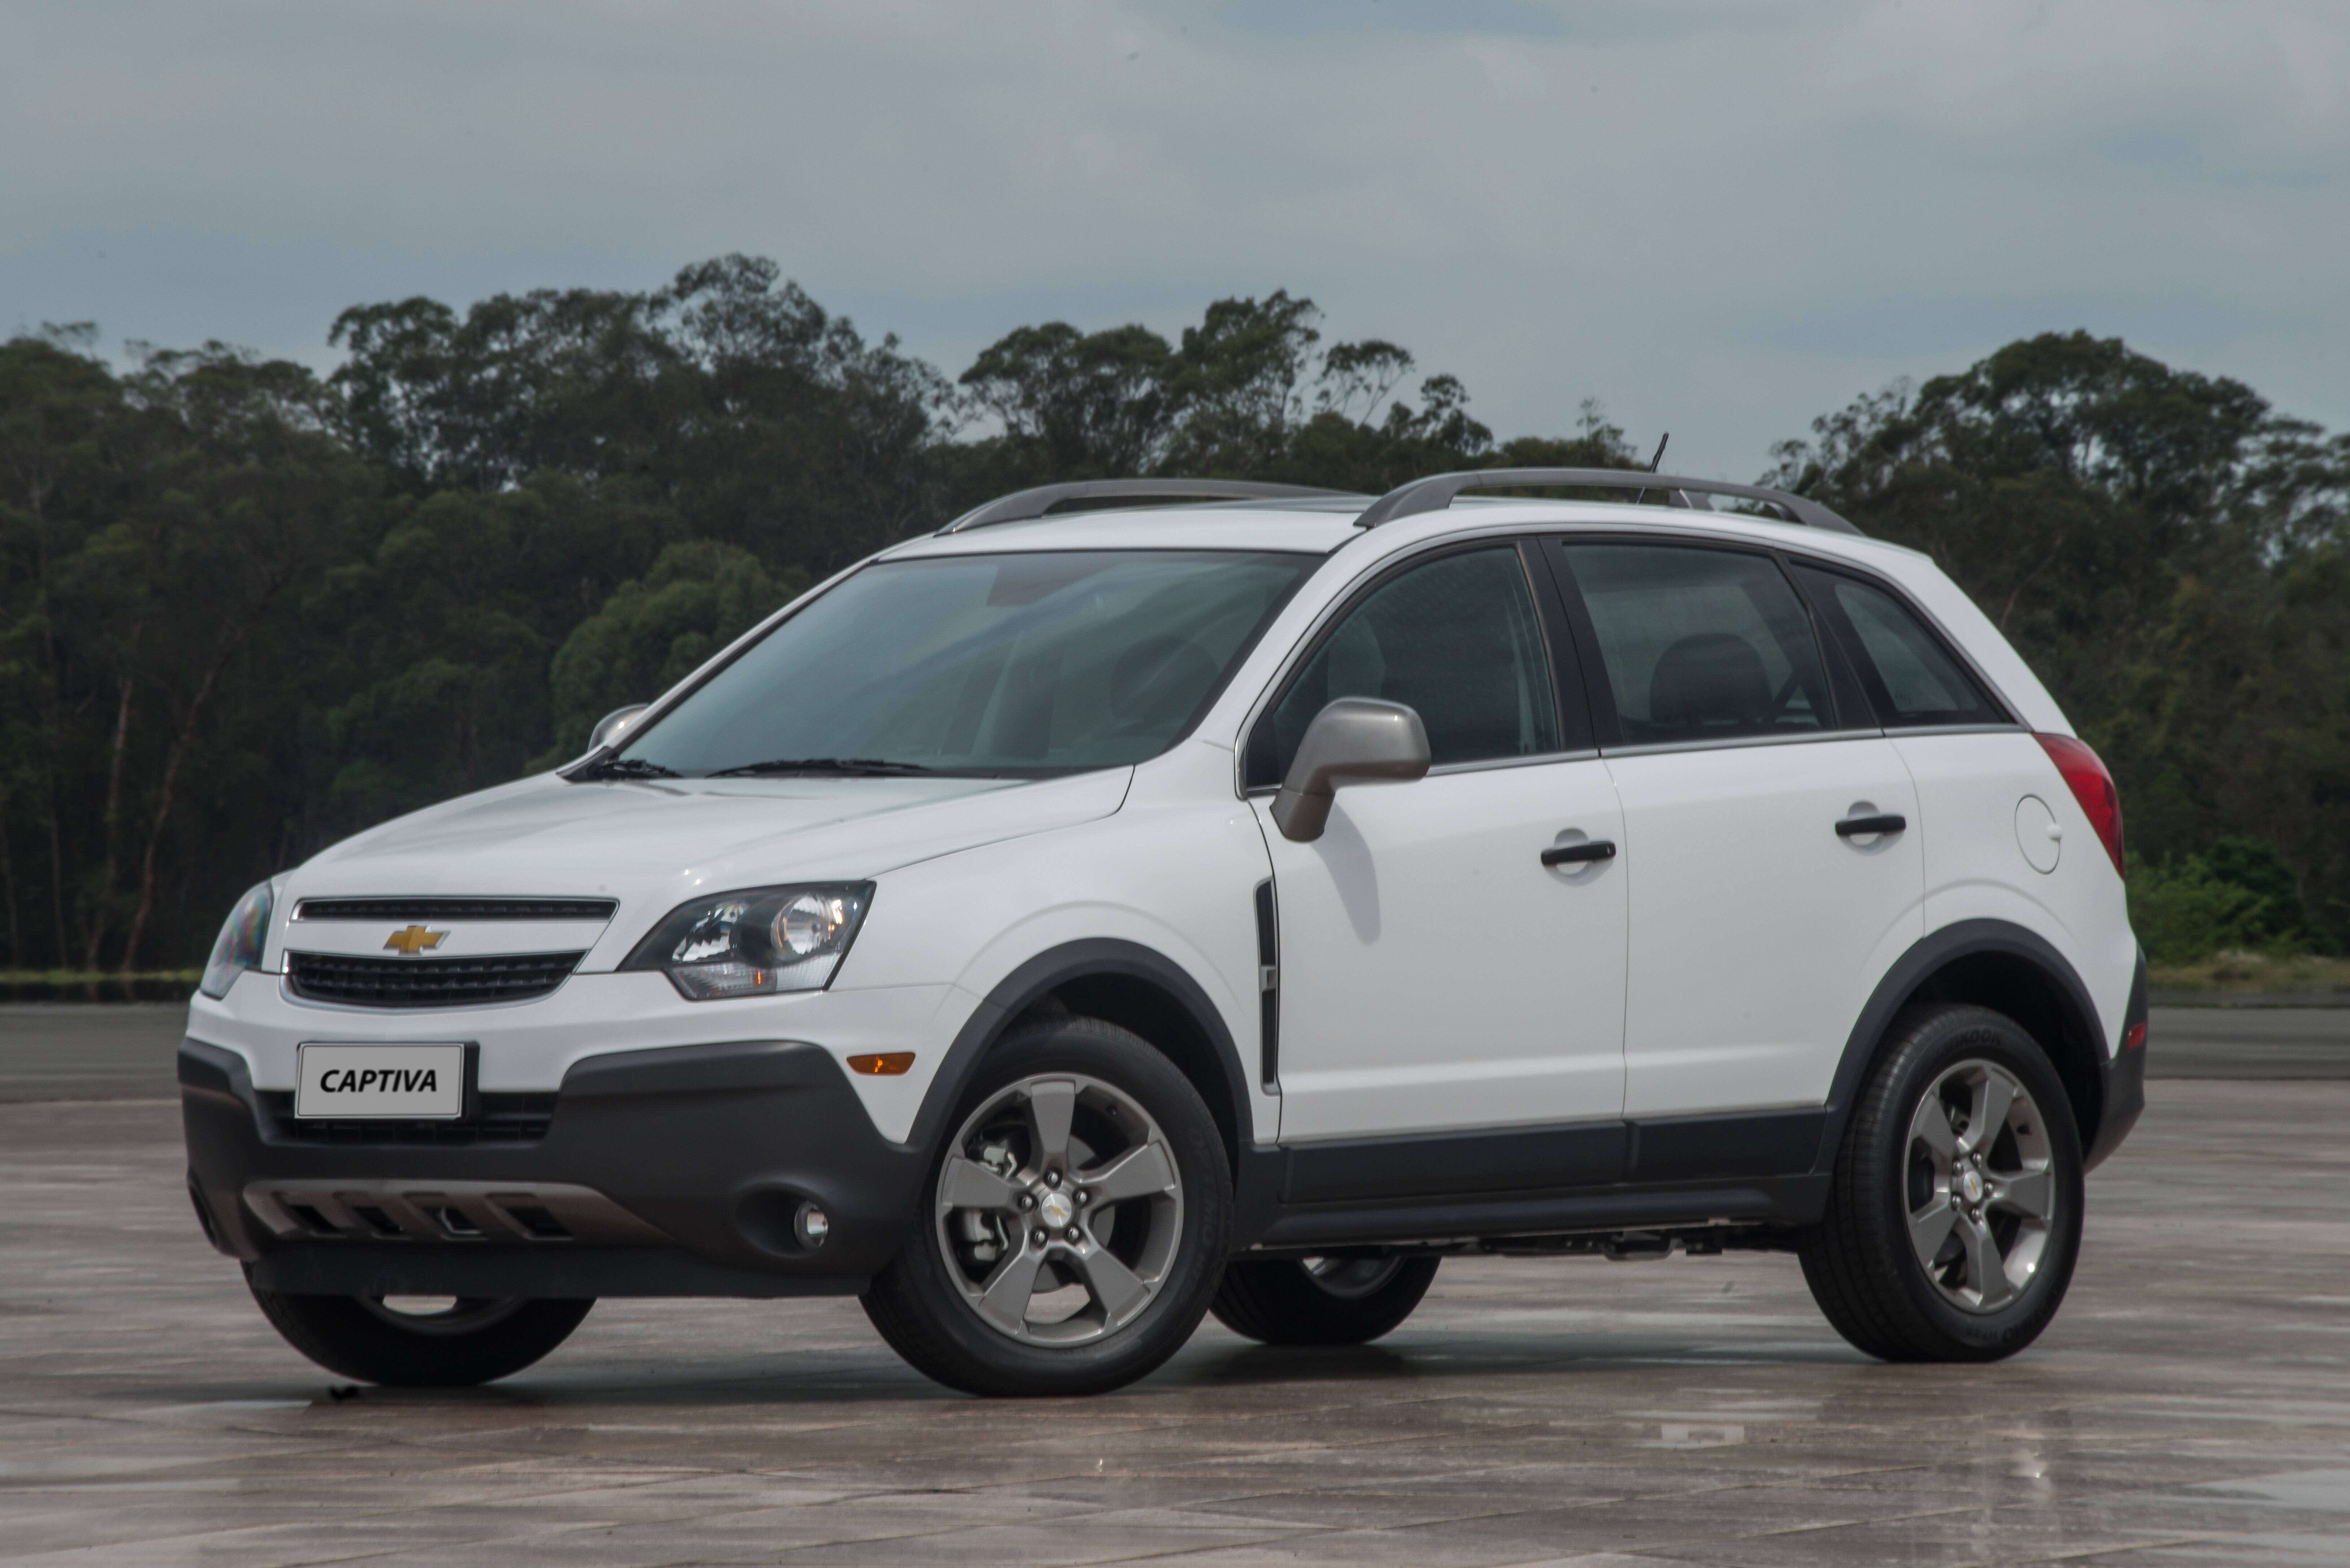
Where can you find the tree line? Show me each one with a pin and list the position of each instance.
(247, 611)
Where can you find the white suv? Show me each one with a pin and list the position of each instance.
(1057, 928)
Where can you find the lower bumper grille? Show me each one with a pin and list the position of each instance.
(427, 983)
(363, 1211)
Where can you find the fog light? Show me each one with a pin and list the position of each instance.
(813, 1225)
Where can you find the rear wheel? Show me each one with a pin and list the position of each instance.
(1954, 1219)
(1321, 1300)
(1077, 1222)
(421, 1342)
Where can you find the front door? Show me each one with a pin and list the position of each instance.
(1434, 974)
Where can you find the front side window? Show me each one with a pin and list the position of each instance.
(1016, 665)
(1701, 644)
(1457, 641)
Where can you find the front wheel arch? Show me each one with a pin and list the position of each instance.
(1120, 983)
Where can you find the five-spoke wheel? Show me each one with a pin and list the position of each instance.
(1982, 1188)
(1059, 1210)
(1078, 1223)
(1954, 1215)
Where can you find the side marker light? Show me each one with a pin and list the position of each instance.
(2135, 1038)
(882, 1065)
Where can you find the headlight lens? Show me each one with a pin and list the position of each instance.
(756, 942)
(240, 944)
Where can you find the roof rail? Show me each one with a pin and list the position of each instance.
(1436, 493)
(1023, 504)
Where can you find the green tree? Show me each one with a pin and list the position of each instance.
(650, 635)
(2164, 549)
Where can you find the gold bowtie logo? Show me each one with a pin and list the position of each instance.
(413, 940)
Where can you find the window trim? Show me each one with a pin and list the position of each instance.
(1563, 666)
(1845, 686)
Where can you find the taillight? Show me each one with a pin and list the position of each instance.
(2093, 786)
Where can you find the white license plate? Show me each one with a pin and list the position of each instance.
(412, 1083)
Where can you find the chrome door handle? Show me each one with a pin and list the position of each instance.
(1565, 853)
(1854, 826)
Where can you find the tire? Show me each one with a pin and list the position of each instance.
(1321, 1300)
(1953, 1220)
(1013, 1284)
(468, 1342)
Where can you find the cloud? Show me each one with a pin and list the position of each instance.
(1724, 217)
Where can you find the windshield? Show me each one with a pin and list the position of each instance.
(1017, 665)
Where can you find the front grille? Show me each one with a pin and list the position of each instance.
(502, 1118)
(456, 909)
(427, 983)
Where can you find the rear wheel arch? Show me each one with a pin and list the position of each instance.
(1984, 964)
(1120, 983)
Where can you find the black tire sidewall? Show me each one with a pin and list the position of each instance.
(1277, 1301)
(343, 1335)
(1932, 1044)
(922, 1313)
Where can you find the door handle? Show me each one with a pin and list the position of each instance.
(1567, 854)
(1853, 826)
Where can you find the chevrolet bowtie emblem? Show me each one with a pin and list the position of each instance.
(413, 940)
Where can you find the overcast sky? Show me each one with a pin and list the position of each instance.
(1720, 217)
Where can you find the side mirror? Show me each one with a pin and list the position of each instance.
(1355, 740)
(614, 726)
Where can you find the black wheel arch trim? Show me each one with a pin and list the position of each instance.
(1964, 938)
(1256, 1169)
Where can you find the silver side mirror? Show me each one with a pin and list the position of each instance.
(614, 726)
(1355, 740)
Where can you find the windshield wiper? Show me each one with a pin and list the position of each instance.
(847, 766)
(628, 768)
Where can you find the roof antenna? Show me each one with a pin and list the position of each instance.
(1642, 498)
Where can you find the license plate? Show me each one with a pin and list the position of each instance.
(411, 1083)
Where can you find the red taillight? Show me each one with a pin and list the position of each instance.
(2092, 785)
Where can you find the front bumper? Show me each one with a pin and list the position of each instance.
(671, 1172)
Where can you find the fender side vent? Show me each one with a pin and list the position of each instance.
(1268, 958)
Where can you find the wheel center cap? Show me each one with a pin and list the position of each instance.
(1970, 1185)
(1056, 1210)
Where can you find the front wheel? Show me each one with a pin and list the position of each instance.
(1075, 1222)
(1954, 1217)
(405, 1343)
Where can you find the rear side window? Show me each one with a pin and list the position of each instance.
(1701, 644)
(1911, 678)
(1457, 640)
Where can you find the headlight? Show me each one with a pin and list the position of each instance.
(240, 944)
(756, 942)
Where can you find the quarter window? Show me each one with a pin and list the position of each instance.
(1917, 682)
(1701, 644)
(1456, 640)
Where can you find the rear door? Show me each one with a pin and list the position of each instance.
(1745, 754)
(1434, 975)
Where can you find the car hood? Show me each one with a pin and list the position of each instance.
(652, 845)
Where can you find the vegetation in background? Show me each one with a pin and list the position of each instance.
(2261, 973)
(245, 612)
(2239, 896)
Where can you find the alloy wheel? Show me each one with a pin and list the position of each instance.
(1059, 1208)
(1981, 1186)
